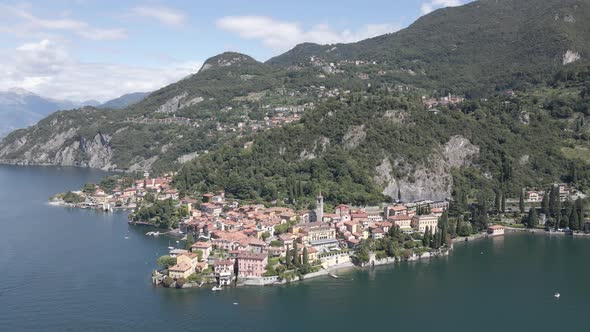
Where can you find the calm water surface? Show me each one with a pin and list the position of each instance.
(72, 270)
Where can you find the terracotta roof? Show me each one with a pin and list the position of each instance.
(182, 267)
(203, 245)
(251, 255)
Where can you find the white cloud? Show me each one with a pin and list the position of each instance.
(164, 15)
(33, 24)
(281, 35)
(48, 69)
(430, 6)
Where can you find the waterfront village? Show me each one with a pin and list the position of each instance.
(222, 242)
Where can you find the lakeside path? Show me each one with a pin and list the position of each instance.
(542, 231)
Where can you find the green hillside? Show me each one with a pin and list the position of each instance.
(473, 49)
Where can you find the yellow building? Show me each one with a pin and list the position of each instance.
(185, 266)
(421, 222)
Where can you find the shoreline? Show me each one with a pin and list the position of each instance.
(544, 232)
(58, 203)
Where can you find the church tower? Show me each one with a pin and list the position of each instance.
(319, 210)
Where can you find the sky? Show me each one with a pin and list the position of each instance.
(100, 49)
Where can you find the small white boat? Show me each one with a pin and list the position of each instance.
(556, 295)
(170, 248)
(217, 288)
(333, 275)
(127, 238)
(235, 303)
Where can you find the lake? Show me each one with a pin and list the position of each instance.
(70, 270)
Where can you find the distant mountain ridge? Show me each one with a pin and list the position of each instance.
(124, 101)
(20, 108)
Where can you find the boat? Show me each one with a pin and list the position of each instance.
(333, 275)
(217, 288)
(556, 295)
(127, 238)
(171, 248)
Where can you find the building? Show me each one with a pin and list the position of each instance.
(319, 211)
(321, 236)
(177, 252)
(496, 230)
(224, 271)
(251, 264)
(404, 222)
(395, 210)
(377, 233)
(185, 266)
(182, 270)
(534, 196)
(204, 247)
(420, 222)
(211, 209)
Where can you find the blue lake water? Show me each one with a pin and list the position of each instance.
(71, 270)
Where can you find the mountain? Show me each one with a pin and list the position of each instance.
(123, 101)
(20, 108)
(351, 116)
(473, 49)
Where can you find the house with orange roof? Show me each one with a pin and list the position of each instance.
(204, 247)
(404, 222)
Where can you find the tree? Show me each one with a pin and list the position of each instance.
(296, 261)
(166, 261)
(426, 238)
(305, 257)
(288, 260)
(521, 201)
(362, 253)
(265, 236)
(498, 201)
(532, 219)
(545, 204)
(574, 220)
(503, 207)
(89, 188)
(190, 240)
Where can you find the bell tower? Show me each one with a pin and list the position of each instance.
(319, 210)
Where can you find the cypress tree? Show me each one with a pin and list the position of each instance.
(296, 255)
(288, 256)
(553, 207)
(503, 208)
(558, 209)
(426, 238)
(305, 256)
(574, 220)
(521, 201)
(498, 201)
(545, 204)
(532, 220)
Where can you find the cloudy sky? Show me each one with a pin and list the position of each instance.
(100, 49)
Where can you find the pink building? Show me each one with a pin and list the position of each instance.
(251, 264)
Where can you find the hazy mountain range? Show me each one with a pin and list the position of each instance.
(20, 108)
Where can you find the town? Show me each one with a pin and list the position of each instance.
(224, 242)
